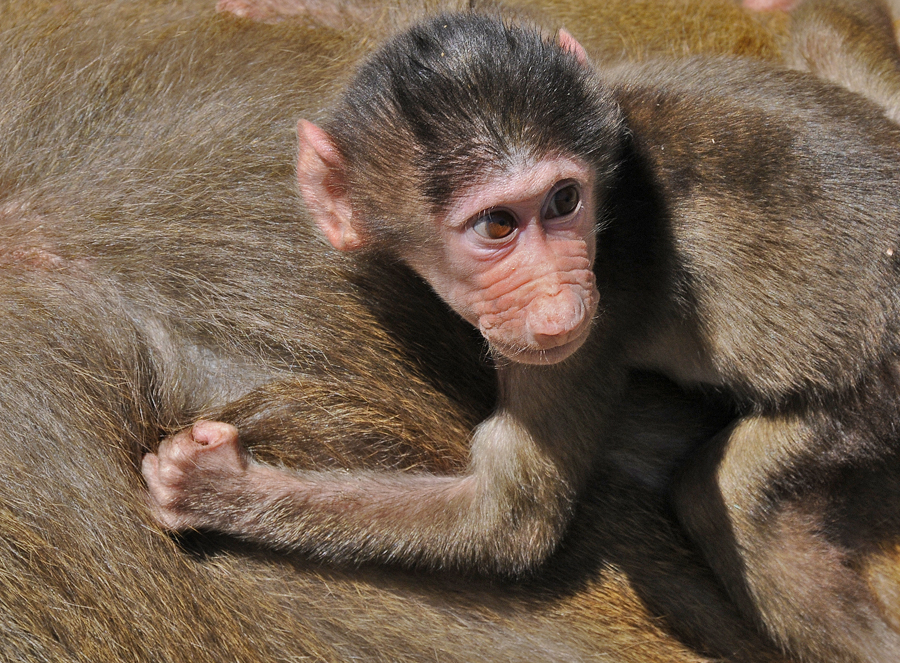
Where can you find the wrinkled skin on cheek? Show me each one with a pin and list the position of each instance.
(535, 304)
(528, 284)
(538, 312)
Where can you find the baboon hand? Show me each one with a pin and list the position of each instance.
(188, 469)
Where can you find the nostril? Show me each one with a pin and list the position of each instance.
(553, 320)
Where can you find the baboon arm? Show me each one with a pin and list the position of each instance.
(504, 515)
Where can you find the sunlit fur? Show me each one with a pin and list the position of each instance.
(731, 251)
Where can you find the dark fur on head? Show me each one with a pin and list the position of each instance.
(435, 92)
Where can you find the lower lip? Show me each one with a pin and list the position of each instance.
(549, 356)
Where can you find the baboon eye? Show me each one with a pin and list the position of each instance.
(564, 201)
(495, 224)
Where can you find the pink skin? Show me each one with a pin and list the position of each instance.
(265, 11)
(770, 5)
(329, 13)
(319, 174)
(532, 293)
(207, 447)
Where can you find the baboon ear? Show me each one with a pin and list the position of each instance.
(570, 44)
(322, 180)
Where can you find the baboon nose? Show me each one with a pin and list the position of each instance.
(557, 320)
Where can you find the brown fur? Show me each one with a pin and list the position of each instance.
(763, 269)
(157, 158)
(852, 44)
(85, 574)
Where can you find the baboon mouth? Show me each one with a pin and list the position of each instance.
(538, 355)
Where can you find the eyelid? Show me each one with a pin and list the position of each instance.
(470, 225)
(556, 189)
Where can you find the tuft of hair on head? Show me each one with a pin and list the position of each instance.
(458, 99)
